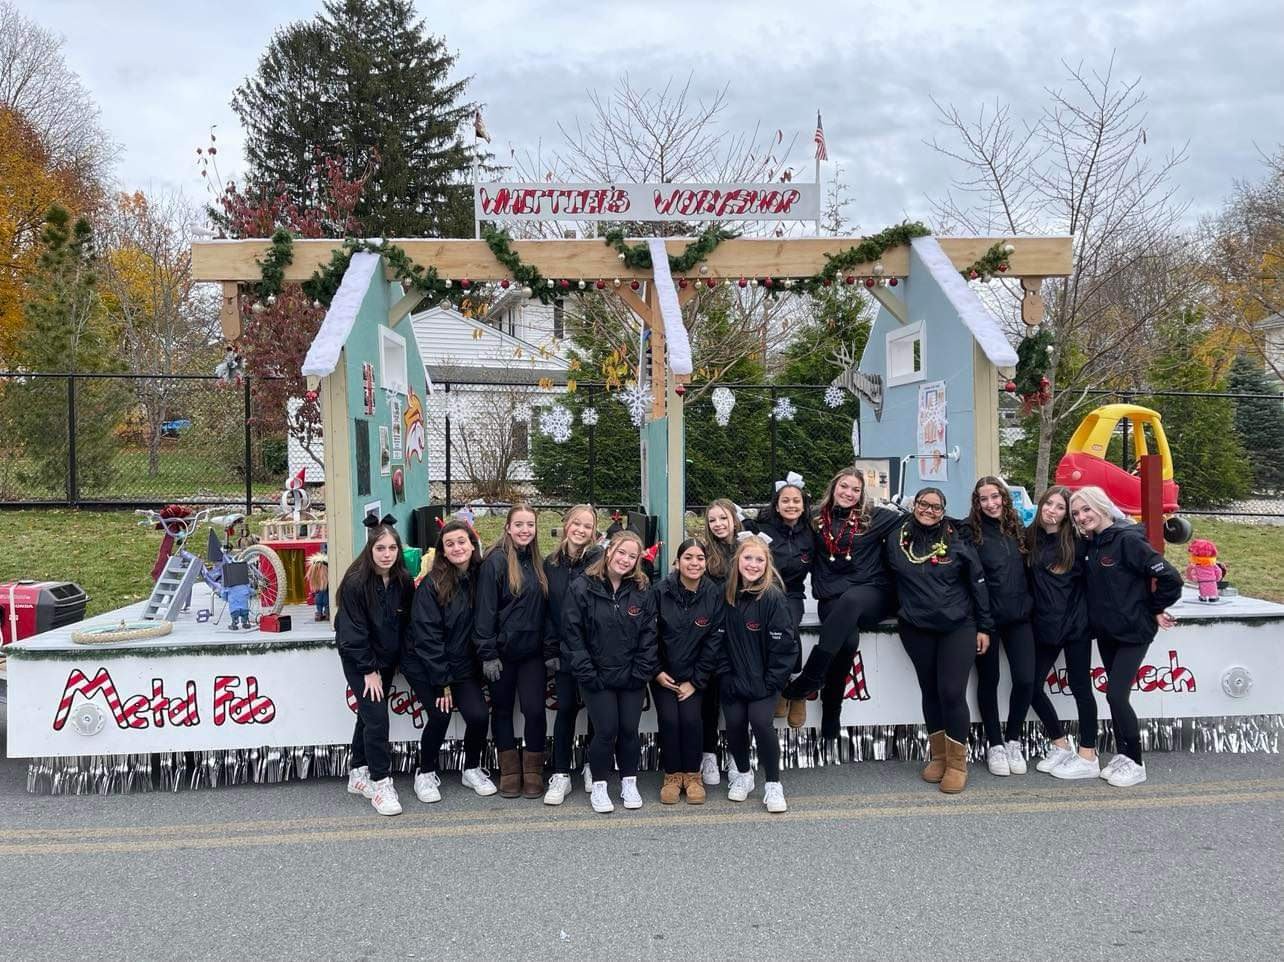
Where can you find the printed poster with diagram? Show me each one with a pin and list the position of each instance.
(931, 432)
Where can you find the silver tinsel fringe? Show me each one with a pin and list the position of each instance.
(804, 748)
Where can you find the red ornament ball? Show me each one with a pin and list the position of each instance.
(680, 390)
(635, 284)
(599, 284)
(869, 282)
(682, 283)
(892, 282)
(850, 279)
(505, 283)
(465, 283)
(311, 395)
(563, 283)
(827, 282)
(742, 282)
(934, 561)
(1010, 387)
(1003, 266)
(972, 275)
(710, 283)
(767, 282)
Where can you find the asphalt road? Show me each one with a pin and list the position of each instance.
(869, 863)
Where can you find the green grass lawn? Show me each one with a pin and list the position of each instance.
(110, 556)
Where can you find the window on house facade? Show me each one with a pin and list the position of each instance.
(393, 372)
(906, 355)
(521, 439)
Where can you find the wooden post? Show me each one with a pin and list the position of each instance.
(1152, 499)
(229, 315)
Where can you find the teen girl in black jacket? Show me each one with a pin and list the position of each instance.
(944, 622)
(721, 526)
(374, 607)
(1060, 621)
(995, 531)
(565, 564)
(440, 660)
(1124, 612)
(757, 655)
(512, 593)
(609, 641)
(690, 623)
(853, 588)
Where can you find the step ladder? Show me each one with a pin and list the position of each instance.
(173, 588)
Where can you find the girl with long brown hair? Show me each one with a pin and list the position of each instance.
(721, 526)
(512, 595)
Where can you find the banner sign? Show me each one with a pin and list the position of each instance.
(645, 202)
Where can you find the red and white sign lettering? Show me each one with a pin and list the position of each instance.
(646, 202)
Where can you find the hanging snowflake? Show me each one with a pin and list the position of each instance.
(724, 399)
(834, 396)
(637, 400)
(784, 409)
(523, 410)
(588, 417)
(555, 423)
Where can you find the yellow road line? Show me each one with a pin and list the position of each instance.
(802, 811)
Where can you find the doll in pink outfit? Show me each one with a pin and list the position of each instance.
(1204, 569)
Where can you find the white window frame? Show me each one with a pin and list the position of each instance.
(900, 354)
(394, 373)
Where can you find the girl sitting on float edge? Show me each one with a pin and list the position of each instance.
(374, 609)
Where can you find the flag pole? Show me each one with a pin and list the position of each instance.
(820, 200)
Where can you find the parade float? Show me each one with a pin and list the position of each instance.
(200, 704)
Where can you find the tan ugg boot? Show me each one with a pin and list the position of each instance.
(510, 774)
(797, 716)
(955, 778)
(782, 706)
(935, 768)
(694, 788)
(671, 789)
(533, 774)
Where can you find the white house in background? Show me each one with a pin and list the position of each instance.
(1272, 329)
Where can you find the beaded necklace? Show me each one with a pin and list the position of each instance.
(851, 528)
(934, 554)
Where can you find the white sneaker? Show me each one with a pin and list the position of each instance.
(732, 771)
(1112, 765)
(741, 786)
(709, 769)
(1016, 759)
(384, 799)
(601, 800)
(1055, 756)
(996, 759)
(558, 786)
(1128, 773)
(359, 781)
(629, 792)
(773, 796)
(428, 787)
(478, 779)
(1076, 766)
(588, 778)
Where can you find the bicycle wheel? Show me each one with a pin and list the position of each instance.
(267, 578)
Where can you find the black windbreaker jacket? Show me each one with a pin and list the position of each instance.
(792, 549)
(758, 646)
(690, 628)
(1060, 605)
(867, 566)
(559, 577)
(1006, 575)
(371, 640)
(941, 596)
(439, 644)
(507, 625)
(1119, 566)
(608, 637)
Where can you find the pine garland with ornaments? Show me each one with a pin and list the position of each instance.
(1034, 358)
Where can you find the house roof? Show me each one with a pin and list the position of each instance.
(323, 353)
(508, 345)
(1272, 322)
(976, 316)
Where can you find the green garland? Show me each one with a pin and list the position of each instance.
(274, 264)
(1034, 359)
(638, 256)
(994, 261)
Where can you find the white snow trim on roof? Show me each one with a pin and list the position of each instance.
(675, 332)
(323, 354)
(983, 325)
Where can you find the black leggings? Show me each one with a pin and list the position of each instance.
(370, 733)
(615, 740)
(1018, 643)
(797, 605)
(1079, 675)
(471, 705)
(1121, 662)
(943, 661)
(760, 716)
(709, 709)
(681, 729)
(568, 711)
(830, 661)
(524, 680)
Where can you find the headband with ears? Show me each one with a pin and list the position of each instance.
(370, 521)
(792, 479)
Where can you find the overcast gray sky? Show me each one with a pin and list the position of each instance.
(163, 72)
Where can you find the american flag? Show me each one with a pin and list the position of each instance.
(821, 152)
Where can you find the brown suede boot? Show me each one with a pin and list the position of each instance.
(533, 774)
(935, 768)
(510, 774)
(955, 778)
(782, 707)
(797, 716)
(671, 790)
(694, 788)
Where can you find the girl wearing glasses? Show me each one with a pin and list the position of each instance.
(944, 622)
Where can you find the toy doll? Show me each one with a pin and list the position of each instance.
(318, 578)
(1204, 569)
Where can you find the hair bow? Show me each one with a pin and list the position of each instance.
(792, 479)
(370, 521)
(764, 538)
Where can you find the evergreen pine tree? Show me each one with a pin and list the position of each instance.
(1259, 423)
(364, 81)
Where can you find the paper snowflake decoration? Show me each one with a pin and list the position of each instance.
(834, 396)
(555, 423)
(724, 399)
(523, 410)
(637, 400)
(784, 409)
(588, 417)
